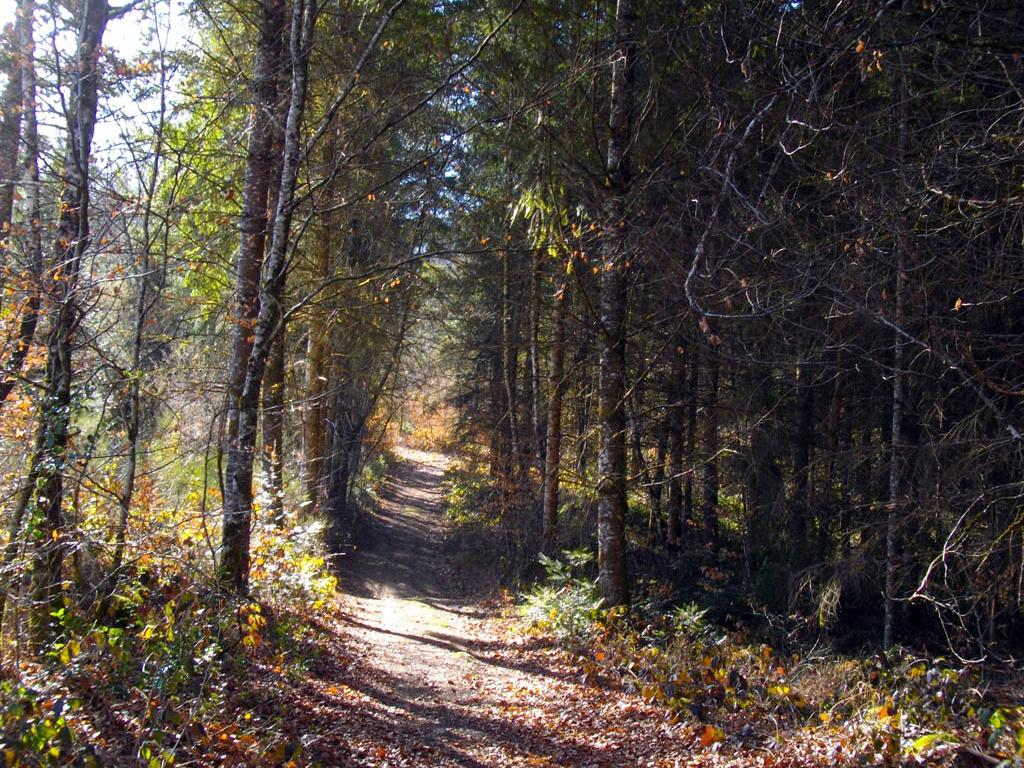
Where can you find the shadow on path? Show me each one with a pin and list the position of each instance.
(437, 679)
(399, 551)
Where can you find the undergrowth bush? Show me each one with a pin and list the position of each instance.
(566, 603)
(374, 473)
(886, 709)
(34, 730)
(161, 656)
(471, 495)
(290, 570)
(498, 534)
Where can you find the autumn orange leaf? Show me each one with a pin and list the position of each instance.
(711, 735)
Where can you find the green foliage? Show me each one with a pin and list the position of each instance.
(470, 497)
(567, 604)
(34, 730)
(290, 568)
(689, 620)
(374, 473)
(1004, 728)
(376, 469)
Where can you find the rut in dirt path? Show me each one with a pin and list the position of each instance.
(440, 680)
(400, 546)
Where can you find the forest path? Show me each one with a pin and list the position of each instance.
(427, 676)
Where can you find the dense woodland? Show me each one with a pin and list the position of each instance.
(729, 293)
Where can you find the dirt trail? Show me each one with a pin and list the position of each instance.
(432, 678)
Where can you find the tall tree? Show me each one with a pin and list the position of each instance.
(71, 242)
(20, 122)
(238, 497)
(269, 60)
(11, 109)
(34, 245)
(611, 489)
(553, 441)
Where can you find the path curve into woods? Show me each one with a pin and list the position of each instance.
(423, 674)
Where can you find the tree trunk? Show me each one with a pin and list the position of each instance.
(12, 105)
(832, 499)
(70, 244)
(32, 209)
(895, 457)
(533, 362)
(498, 402)
(709, 479)
(17, 520)
(553, 446)
(675, 427)
(611, 488)
(585, 393)
(30, 315)
(272, 406)
(238, 474)
(273, 429)
(692, 401)
(510, 366)
(234, 556)
(315, 400)
(896, 436)
(800, 505)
